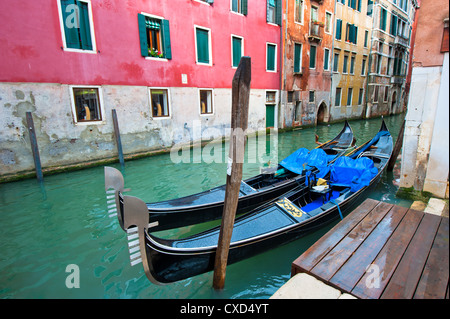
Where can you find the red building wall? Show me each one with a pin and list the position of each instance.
(31, 44)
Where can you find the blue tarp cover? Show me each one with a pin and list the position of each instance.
(303, 159)
(354, 173)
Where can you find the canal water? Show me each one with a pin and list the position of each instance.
(48, 230)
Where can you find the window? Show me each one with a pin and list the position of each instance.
(366, 38)
(273, 11)
(271, 57)
(297, 58)
(314, 14)
(154, 36)
(239, 6)
(326, 59)
(271, 97)
(298, 14)
(337, 99)
(312, 96)
(206, 103)
(351, 33)
(159, 99)
(386, 93)
(375, 93)
(360, 96)
(344, 68)
(77, 27)
(352, 64)
(290, 96)
(86, 104)
(237, 50)
(349, 96)
(369, 7)
(383, 18)
(336, 62)
(202, 46)
(363, 67)
(378, 64)
(312, 57)
(328, 22)
(394, 23)
(338, 29)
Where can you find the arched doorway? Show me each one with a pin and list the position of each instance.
(322, 114)
(393, 102)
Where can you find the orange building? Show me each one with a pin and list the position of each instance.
(306, 74)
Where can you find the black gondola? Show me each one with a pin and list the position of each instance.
(300, 211)
(208, 205)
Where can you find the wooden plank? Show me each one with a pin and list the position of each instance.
(117, 135)
(434, 280)
(387, 260)
(306, 261)
(239, 121)
(355, 267)
(334, 260)
(404, 280)
(34, 147)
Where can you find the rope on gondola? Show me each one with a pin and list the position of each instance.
(339, 209)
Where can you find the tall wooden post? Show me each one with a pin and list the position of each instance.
(397, 148)
(34, 147)
(117, 135)
(239, 122)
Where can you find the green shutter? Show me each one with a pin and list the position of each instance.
(312, 57)
(394, 22)
(167, 48)
(85, 29)
(359, 5)
(202, 46)
(278, 12)
(383, 19)
(244, 7)
(270, 57)
(143, 34)
(355, 34)
(237, 50)
(70, 25)
(326, 59)
(297, 58)
(338, 29)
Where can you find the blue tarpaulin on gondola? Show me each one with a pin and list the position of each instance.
(354, 173)
(303, 159)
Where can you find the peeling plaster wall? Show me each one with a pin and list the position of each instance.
(61, 142)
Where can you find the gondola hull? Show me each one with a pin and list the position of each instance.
(289, 217)
(208, 205)
(167, 267)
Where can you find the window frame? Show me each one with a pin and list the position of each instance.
(330, 14)
(299, 58)
(74, 108)
(91, 29)
(167, 54)
(200, 101)
(326, 60)
(336, 62)
(302, 18)
(352, 64)
(243, 7)
(350, 96)
(210, 58)
(315, 56)
(232, 49)
(275, 57)
(340, 96)
(345, 64)
(169, 104)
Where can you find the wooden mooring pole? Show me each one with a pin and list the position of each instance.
(117, 135)
(397, 148)
(34, 147)
(239, 122)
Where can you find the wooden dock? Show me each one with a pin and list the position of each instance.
(383, 251)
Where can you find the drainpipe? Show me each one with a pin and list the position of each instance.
(283, 56)
(369, 62)
(333, 34)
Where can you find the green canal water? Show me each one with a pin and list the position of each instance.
(45, 228)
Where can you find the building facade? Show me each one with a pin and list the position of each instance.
(306, 77)
(353, 25)
(165, 66)
(389, 56)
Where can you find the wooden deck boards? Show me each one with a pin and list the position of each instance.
(382, 251)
